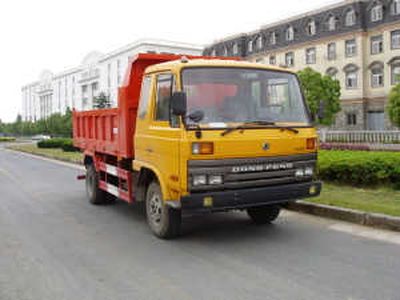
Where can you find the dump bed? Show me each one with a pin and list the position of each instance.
(111, 131)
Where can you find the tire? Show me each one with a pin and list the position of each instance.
(264, 214)
(164, 221)
(95, 195)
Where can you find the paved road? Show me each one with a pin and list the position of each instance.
(54, 245)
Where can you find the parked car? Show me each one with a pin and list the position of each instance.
(40, 137)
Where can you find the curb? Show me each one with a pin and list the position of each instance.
(64, 162)
(349, 215)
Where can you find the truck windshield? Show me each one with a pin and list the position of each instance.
(241, 95)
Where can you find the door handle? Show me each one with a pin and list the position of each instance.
(149, 150)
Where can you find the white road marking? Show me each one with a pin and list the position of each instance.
(367, 232)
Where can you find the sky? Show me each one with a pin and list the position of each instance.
(56, 35)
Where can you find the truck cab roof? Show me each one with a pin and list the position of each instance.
(179, 64)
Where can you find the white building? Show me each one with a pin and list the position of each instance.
(98, 72)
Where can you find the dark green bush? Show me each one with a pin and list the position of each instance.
(7, 139)
(360, 168)
(68, 146)
(53, 143)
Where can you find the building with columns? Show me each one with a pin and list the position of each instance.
(98, 72)
(355, 41)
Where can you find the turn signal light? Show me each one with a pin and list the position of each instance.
(311, 144)
(206, 148)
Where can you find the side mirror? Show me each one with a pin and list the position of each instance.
(178, 103)
(321, 110)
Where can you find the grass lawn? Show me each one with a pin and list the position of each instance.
(381, 200)
(74, 157)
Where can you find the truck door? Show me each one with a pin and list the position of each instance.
(163, 142)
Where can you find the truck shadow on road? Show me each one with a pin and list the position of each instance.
(230, 226)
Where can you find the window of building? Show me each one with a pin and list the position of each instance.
(351, 79)
(290, 34)
(289, 59)
(118, 71)
(377, 13)
(144, 97)
(377, 44)
(259, 42)
(250, 46)
(377, 77)
(109, 76)
(351, 48)
(272, 60)
(311, 27)
(332, 51)
(332, 23)
(395, 7)
(395, 39)
(85, 95)
(350, 18)
(351, 119)
(395, 74)
(376, 120)
(311, 56)
(95, 88)
(225, 51)
(332, 72)
(164, 93)
(273, 38)
(235, 49)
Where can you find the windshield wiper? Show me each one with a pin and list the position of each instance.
(248, 125)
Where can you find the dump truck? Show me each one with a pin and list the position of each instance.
(194, 135)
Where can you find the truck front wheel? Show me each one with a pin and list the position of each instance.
(164, 221)
(264, 214)
(95, 195)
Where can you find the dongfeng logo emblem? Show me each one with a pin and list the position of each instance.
(265, 146)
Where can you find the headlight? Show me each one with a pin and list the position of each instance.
(308, 171)
(215, 179)
(199, 180)
(299, 173)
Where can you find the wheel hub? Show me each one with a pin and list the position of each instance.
(155, 208)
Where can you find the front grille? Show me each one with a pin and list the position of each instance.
(248, 173)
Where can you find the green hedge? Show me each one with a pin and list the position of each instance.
(62, 143)
(7, 139)
(68, 146)
(360, 168)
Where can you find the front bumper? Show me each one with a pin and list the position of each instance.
(245, 198)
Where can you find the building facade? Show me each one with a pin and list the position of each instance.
(98, 72)
(356, 42)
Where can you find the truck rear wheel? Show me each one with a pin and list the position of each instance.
(264, 214)
(95, 195)
(164, 221)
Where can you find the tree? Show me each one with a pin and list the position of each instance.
(317, 89)
(101, 101)
(394, 105)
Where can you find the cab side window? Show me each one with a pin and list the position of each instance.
(164, 93)
(144, 97)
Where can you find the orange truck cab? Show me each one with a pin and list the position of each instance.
(197, 135)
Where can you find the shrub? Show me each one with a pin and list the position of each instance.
(68, 146)
(53, 143)
(7, 139)
(360, 168)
